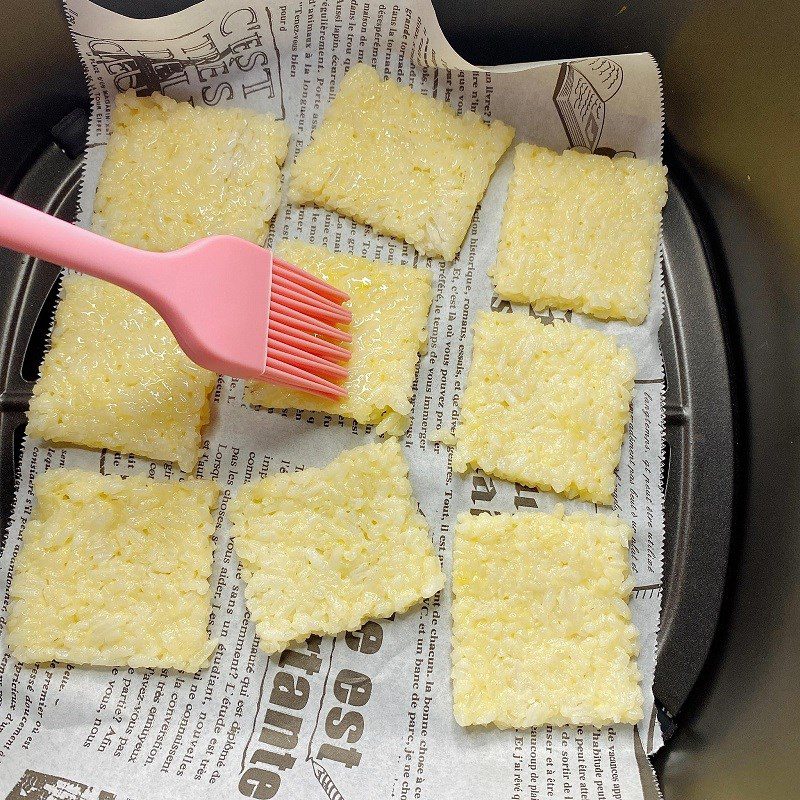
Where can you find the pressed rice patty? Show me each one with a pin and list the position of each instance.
(114, 571)
(580, 232)
(542, 632)
(403, 163)
(545, 405)
(115, 377)
(174, 173)
(389, 329)
(325, 549)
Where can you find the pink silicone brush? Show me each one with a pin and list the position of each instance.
(233, 307)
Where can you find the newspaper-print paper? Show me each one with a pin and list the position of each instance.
(369, 714)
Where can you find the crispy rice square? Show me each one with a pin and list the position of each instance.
(324, 550)
(542, 632)
(580, 232)
(545, 405)
(115, 571)
(115, 377)
(405, 164)
(174, 173)
(390, 315)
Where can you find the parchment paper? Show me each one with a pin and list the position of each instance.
(81, 732)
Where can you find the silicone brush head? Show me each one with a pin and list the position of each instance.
(237, 310)
(303, 350)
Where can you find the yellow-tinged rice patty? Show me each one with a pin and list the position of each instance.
(545, 405)
(114, 376)
(405, 164)
(324, 550)
(390, 314)
(580, 232)
(114, 572)
(542, 632)
(174, 173)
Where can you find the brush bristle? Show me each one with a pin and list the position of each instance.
(301, 344)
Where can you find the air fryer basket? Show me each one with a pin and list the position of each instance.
(701, 415)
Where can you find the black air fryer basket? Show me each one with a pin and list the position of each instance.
(709, 536)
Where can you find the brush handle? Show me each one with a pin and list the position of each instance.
(28, 230)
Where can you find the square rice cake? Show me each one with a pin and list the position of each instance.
(542, 632)
(580, 232)
(324, 550)
(545, 405)
(115, 571)
(389, 328)
(405, 164)
(174, 173)
(115, 377)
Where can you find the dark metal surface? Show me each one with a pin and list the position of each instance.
(41, 81)
(738, 737)
(699, 341)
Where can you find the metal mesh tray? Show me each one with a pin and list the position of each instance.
(701, 437)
